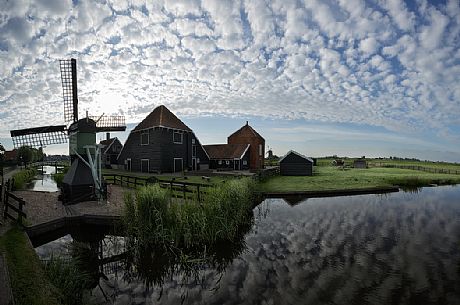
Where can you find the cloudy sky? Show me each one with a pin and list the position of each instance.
(346, 77)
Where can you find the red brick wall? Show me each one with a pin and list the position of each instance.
(246, 136)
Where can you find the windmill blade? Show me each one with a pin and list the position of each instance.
(109, 123)
(69, 89)
(39, 136)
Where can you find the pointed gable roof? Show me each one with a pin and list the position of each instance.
(247, 130)
(162, 117)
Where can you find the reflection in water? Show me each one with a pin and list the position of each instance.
(399, 248)
(44, 181)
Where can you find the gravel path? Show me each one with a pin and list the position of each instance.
(42, 207)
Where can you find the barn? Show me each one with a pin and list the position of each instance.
(228, 156)
(295, 164)
(162, 143)
(247, 135)
(110, 151)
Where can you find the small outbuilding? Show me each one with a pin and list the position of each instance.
(360, 163)
(295, 164)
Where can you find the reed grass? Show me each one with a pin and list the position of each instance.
(152, 217)
(23, 177)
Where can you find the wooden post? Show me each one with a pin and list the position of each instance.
(21, 203)
(198, 192)
(5, 211)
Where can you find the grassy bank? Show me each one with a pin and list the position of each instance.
(23, 177)
(332, 178)
(152, 218)
(28, 279)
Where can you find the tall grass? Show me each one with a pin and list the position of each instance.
(23, 177)
(59, 177)
(153, 217)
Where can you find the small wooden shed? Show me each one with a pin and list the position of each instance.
(360, 163)
(295, 164)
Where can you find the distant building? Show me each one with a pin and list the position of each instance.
(295, 164)
(228, 156)
(247, 135)
(162, 143)
(110, 151)
(360, 163)
(10, 156)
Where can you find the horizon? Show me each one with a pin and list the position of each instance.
(345, 78)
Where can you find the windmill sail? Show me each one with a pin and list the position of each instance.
(109, 123)
(69, 89)
(39, 136)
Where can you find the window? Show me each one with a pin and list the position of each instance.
(177, 137)
(227, 162)
(245, 162)
(219, 162)
(193, 141)
(260, 150)
(145, 138)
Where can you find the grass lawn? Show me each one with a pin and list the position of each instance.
(332, 178)
(427, 164)
(28, 280)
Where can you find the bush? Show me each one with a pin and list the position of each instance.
(59, 177)
(23, 177)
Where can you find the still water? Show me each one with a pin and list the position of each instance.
(44, 182)
(399, 248)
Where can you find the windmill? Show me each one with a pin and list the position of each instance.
(83, 181)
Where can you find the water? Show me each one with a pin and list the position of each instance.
(44, 182)
(399, 248)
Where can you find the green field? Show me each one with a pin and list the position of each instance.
(334, 178)
(397, 162)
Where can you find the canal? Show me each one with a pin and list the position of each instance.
(44, 182)
(398, 248)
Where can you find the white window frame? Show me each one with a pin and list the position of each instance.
(227, 162)
(174, 163)
(181, 137)
(219, 162)
(193, 150)
(260, 150)
(148, 165)
(148, 137)
(129, 168)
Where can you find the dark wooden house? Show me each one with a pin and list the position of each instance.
(110, 151)
(360, 163)
(247, 135)
(228, 156)
(162, 143)
(295, 164)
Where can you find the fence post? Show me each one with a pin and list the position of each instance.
(21, 203)
(5, 211)
(198, 192)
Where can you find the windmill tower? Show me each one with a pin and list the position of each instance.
(83, 181)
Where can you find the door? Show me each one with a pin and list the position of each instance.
(128, 165)
(145, 165)
(194, 164)
(236, 163)
(178, 165)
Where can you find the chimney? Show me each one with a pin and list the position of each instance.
(247, 123)
(107, 135)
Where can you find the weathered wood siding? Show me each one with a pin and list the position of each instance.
(160, 151)
(295, 165)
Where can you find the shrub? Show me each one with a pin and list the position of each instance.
(23, 177)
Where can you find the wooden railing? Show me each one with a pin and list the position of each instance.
(11, 202)
(179, 189)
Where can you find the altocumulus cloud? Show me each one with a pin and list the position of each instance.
(379, 63)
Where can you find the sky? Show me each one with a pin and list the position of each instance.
(346, 77)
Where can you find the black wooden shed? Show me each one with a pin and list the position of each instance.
(295, 164)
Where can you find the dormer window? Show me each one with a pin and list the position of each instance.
(145, 138)
(177, 137)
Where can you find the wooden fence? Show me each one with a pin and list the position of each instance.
(179, 189)
(12, 202)
(418, 168)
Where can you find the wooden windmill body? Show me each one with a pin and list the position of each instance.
(83, 181)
